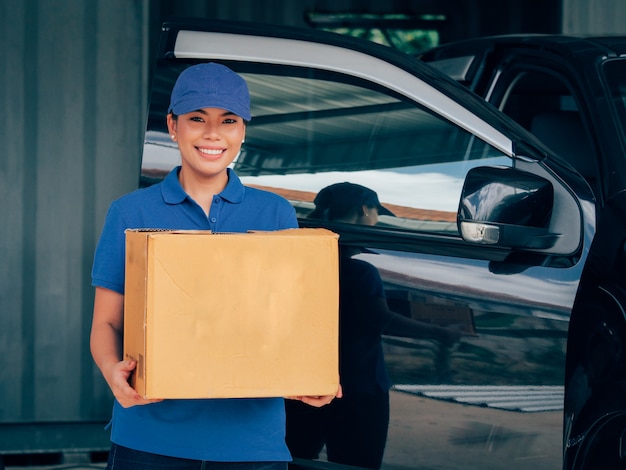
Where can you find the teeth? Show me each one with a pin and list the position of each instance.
(210, 151)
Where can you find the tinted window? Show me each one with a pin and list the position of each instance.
(311, 129)
(615, 72)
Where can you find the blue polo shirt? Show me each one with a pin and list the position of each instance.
(213, 429)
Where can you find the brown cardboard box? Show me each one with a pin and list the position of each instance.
(232, 315)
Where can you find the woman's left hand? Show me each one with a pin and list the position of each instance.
(318, 400)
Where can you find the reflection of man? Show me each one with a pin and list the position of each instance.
(354, 428)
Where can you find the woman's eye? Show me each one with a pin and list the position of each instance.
(230, 121)
(196, 119)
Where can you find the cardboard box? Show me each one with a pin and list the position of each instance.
(232, 315)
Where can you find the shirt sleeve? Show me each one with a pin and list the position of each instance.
(110, 254)
(290, 218)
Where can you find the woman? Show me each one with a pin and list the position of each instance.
(209, 109)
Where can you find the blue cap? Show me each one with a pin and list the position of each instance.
(210, 85)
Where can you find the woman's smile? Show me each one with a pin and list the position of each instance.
(215, 152)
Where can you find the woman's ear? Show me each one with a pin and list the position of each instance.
(364, 211)
(171, 125)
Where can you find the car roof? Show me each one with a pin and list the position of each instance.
(460, 60)
(577, 45)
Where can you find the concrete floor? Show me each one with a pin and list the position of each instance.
(448, 435)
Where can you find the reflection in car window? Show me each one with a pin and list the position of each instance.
(311, 129)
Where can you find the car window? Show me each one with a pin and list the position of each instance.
(615, 73)
(312, 128)
(544, 103)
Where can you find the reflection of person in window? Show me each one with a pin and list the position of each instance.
(354, 428)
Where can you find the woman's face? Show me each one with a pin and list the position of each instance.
(208, 140)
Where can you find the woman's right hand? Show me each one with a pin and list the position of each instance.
(117, 378)
(106, 347)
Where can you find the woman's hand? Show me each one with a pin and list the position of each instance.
(117, 378)
(106, 347)
(318, 400)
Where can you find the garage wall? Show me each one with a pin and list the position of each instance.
(594, 17)
(71, 76)
(466, 18)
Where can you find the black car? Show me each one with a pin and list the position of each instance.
(570, 92)
(484, 229)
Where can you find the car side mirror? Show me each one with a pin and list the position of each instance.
(506, 207)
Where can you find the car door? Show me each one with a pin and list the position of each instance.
(567, 91)
(328, 109)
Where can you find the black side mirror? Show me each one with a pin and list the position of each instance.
(506, 207)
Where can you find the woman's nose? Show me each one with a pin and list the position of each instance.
(210, 131)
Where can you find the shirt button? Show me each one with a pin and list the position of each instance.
(213, 219)
(216, 200)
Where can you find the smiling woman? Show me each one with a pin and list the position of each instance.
(206, 118)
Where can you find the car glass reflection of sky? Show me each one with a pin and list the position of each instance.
(434, 187)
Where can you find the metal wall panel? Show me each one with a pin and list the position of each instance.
(594, 17)
(72, 90)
